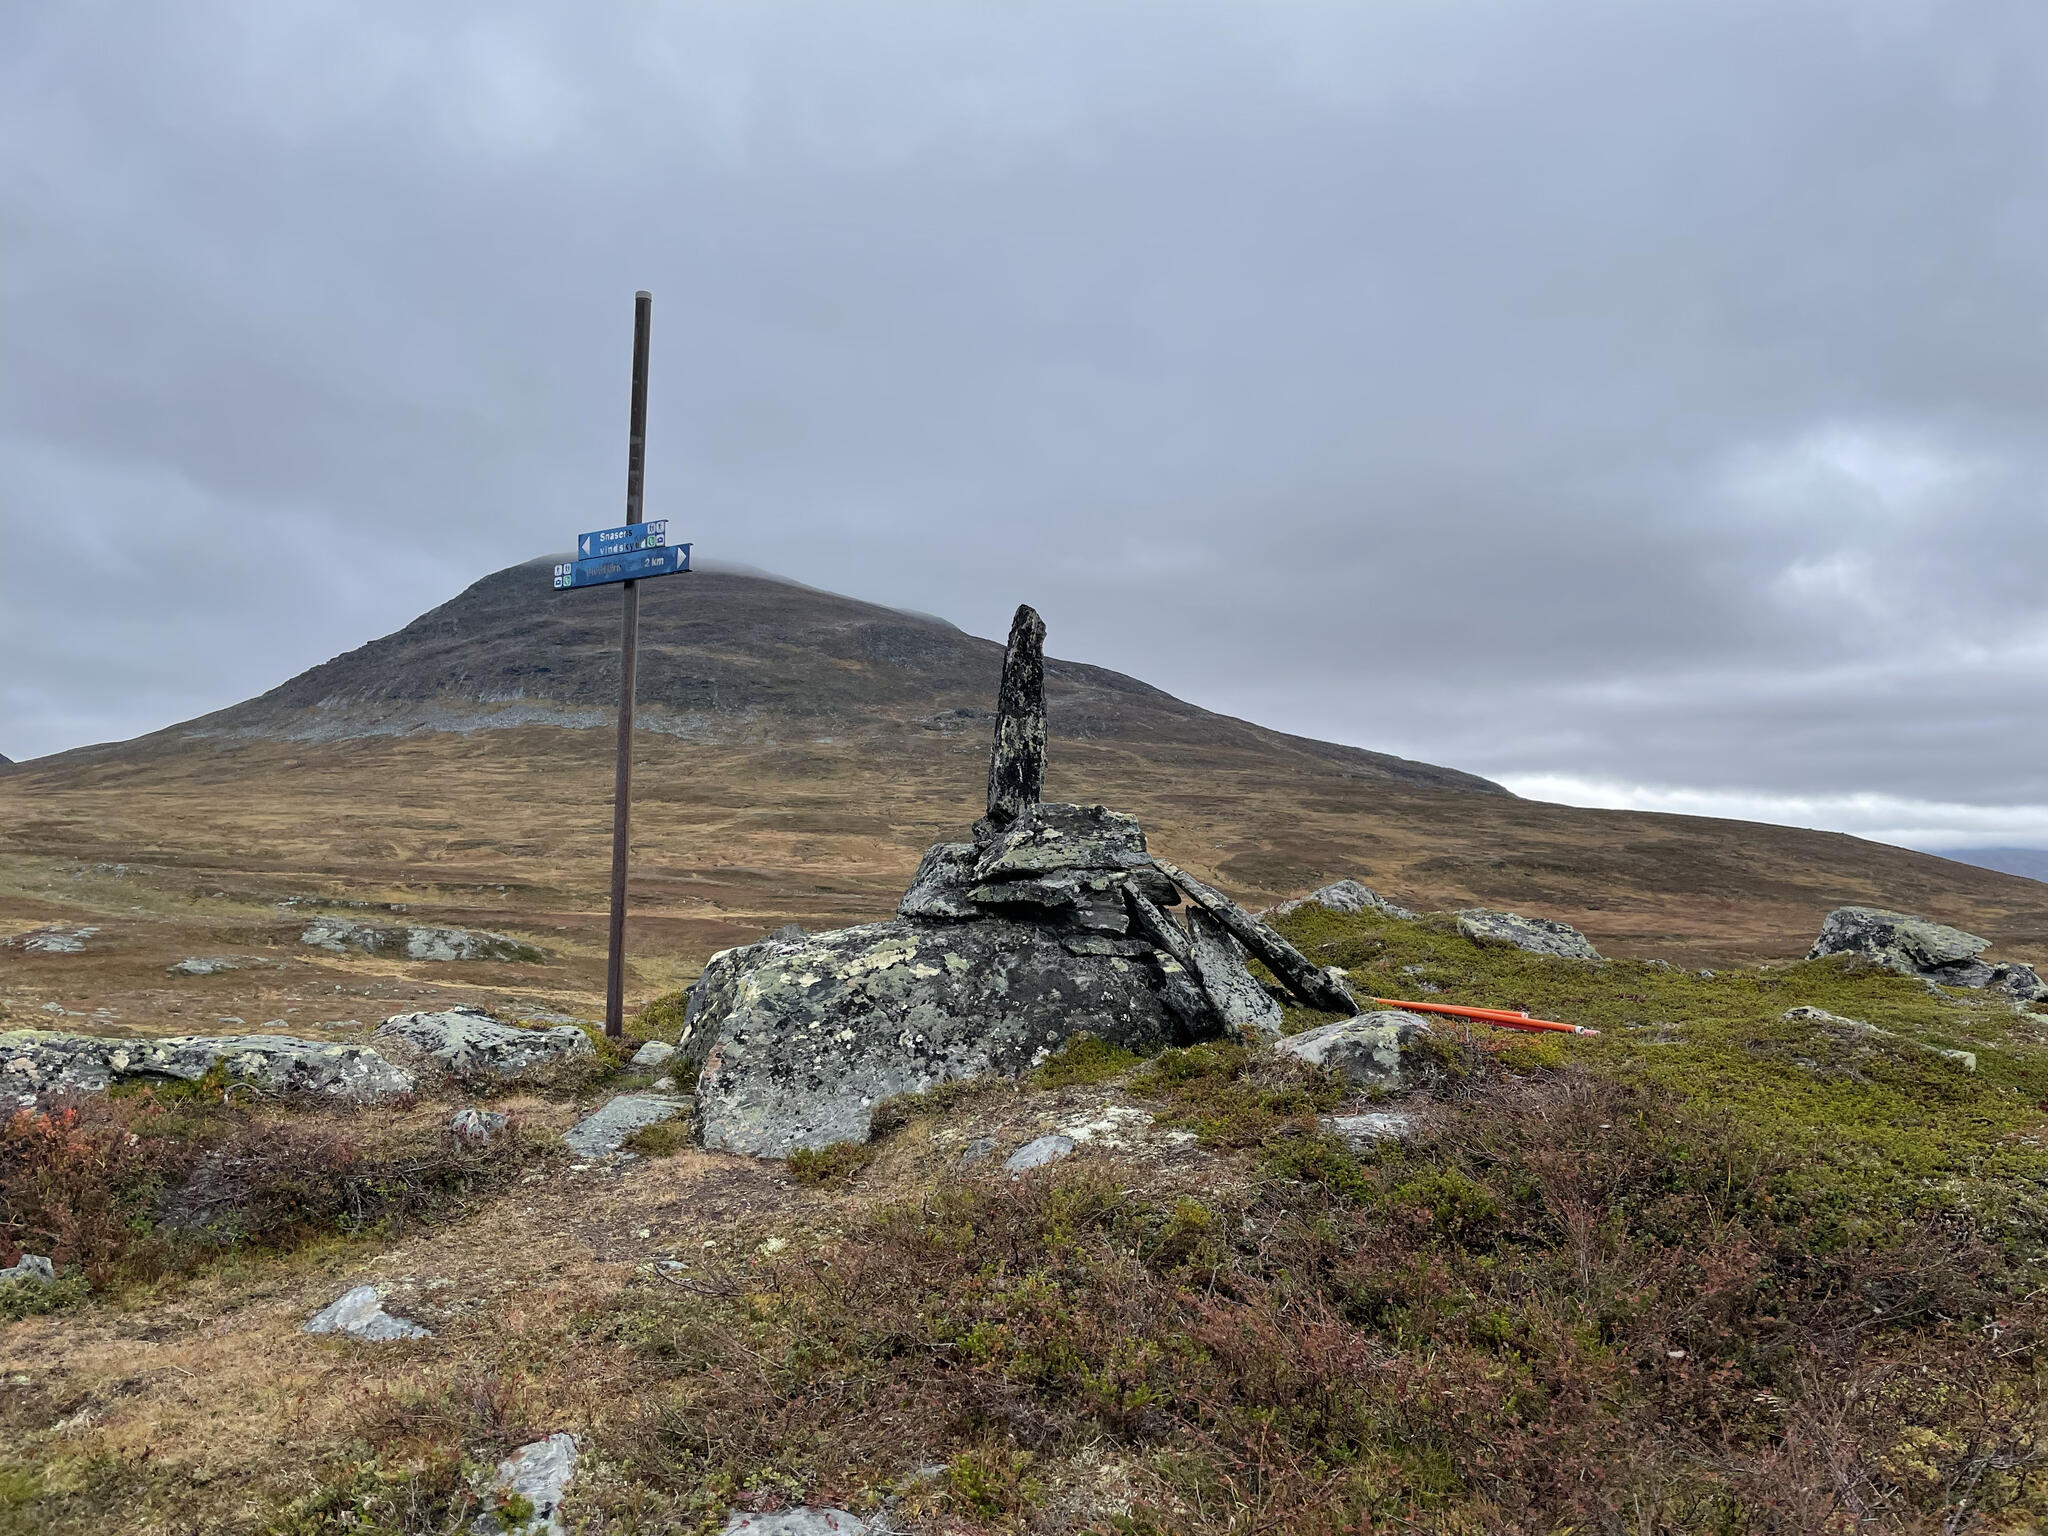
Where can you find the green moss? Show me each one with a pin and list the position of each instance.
(992, 1481)
(665, 1138)
(1880, 1126)
(1233, 1096)
(897, 1111)
(1083, 1059)
(663, 1018)
(32, 1298)
(829, 1165)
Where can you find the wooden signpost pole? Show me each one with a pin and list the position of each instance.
(629, 647)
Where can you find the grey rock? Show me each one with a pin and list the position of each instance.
(1153, 924)
(1056, 836)
(211, 965)
(360, 1314)
(338, 934)
(33, 1269)
(653, 1053)
(1016, 764)
(1373, 1126)
(1245, 1007)
(1344, 896)
(797, 1043)
(1036, 1154)
(1904, 942)
(801, 1521)
(1088, 899)
(944, 877)
(1148, 882)
(715, 992)
(1537, 935)
(53, 940)
(476, 1127)
(1914, 946)
(1107, 944)
(34, 1064)
(539, 1473)
(414, 942)
(1371, 1050)
(1306, 980)
(37, 1063)
(603, 1132)
(468, 1043)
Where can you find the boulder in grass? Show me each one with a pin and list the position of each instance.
(35, 1065)
(532, 1482)
(53, 939)
(415, 941)
(1344, 896)
(360, 1314)
(1374, 1050)
(804, 1520)
(1915, 946)
(476, 1127)
(469, 1044)
(604, 1130)
(32, 1269)
(1537, 935)
(797, 1042)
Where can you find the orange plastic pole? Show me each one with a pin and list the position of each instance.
(1500, 1016)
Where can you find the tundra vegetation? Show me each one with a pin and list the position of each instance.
(1712, 1271)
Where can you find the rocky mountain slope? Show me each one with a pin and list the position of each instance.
(725, 657)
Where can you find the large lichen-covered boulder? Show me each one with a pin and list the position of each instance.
(1914, 946)
(798, 1040)
(35, 1065)
(1537, 935)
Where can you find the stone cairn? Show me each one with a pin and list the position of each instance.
(1053, 920)
(1084, 871)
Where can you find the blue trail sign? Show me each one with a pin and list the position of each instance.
(622, 541)
(668, 561)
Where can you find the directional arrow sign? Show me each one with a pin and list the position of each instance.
(669, 561)
(622, 541)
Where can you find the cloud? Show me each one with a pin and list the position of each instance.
(1646, 396)
(1928, 824)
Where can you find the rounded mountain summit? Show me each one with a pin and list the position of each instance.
(730, 655)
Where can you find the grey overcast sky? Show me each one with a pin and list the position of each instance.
(1639, 403)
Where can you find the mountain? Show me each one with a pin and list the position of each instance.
(2030, 863)
(726, 657)
(799, 751)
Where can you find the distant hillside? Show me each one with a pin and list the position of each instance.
(729, 658)
(2029, 863)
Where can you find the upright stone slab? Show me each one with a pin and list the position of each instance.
(1306, 980)
(1016, 764)
(1244, 1005)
